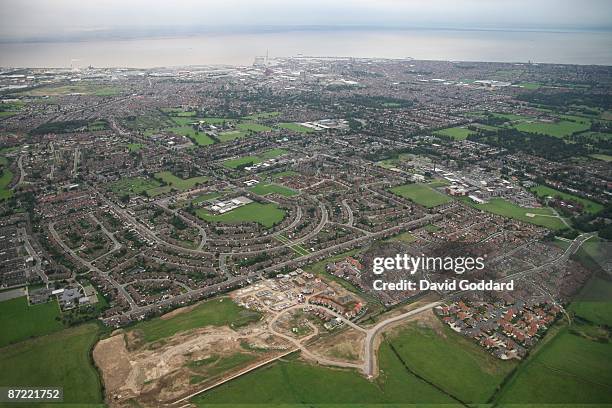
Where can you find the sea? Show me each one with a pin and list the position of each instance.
(564, 47)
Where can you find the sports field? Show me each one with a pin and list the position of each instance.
(264, 214)
(5, 180)
(199, 138)
(262, 115)
(253, 127)
(588, 205)
(231, 135)
(561, 128)
(240, 161)
(421, 194)
(60, 359)
(264, 189)
(179, 183)
(457, 133)
(215, 312)
(543, 217)
(19, 321)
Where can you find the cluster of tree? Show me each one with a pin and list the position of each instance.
(600, 222)
(565, 99)
(68, 126)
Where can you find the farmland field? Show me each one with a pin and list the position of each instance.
(293, 382)
(427, 351)
(263, 189)
(588, 205)
(264, 214)
(421, 194)
(20, 321)
(214, 312)
(61, 359)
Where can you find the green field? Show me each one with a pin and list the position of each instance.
(603, 157)
(264, 189)
(561, 128)
(201, 139)
(231, 135)
(296, 127)
(133, 185)
(82, 88)
(262, 115)
(19, 321)
(240, 161)
(179, 183)
(135, 147)
(457, 133)
(253, 127)
(588, 205)
(264, 214)
(10, 108)
(452, 362)
(5, 180)
(421, 194)
(293, 382)
(530, 85)
(544, 217)
(569, 369)
(214, 312)
(61, 359)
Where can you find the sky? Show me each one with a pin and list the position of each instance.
(82, 19)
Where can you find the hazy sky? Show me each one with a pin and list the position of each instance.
(72, 18)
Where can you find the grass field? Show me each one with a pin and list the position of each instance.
(61, 359)
(544, 217)
(264, 214)
(231, 135)
(569, 369)
(560, 128)
(295, 127)
(603, 157)
(253, 127)
(421, 194)
(240, 161)
(457, 133)
(201, 139)
(214, 312)
(5, 180)
(179, 183)
(264, 189)
(134, 147)
(293, 382)
(20, 321)
(262, 115)
(594, 303)
(133, 185)
(588, 205)
(474, 374)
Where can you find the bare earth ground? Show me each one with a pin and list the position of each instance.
(347, 345)
(159, 374)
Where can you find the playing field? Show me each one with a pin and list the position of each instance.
(253, 127)
(5, 180)
(296, 127)
(241, 161)
(561, 128)
(588, 205)
(231, 135)
(421, 194)
(293, 382)
(457, 133)
(20, 321)
(262, 115)
(201, 139)
(264, 189)
(61, 359)
(544, 217)
(179, 183)
(264, 214)
(214, 312)
(475, 374)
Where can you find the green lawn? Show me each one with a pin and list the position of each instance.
(20, 321)
(253, 127)
(61, 359)
(293, 382)
(264, 214)
(588, 205)
(264, 189)
(134, 147)
(262, 115)
(5, 180)
(568, 370)
(231, 135)
(544, 217)
(214, 312)
(199, 138)
(421, 194)
(240, 161)
(296, 127)
(179, 183)
(457, 133)
(561, 128)
(451, 361)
